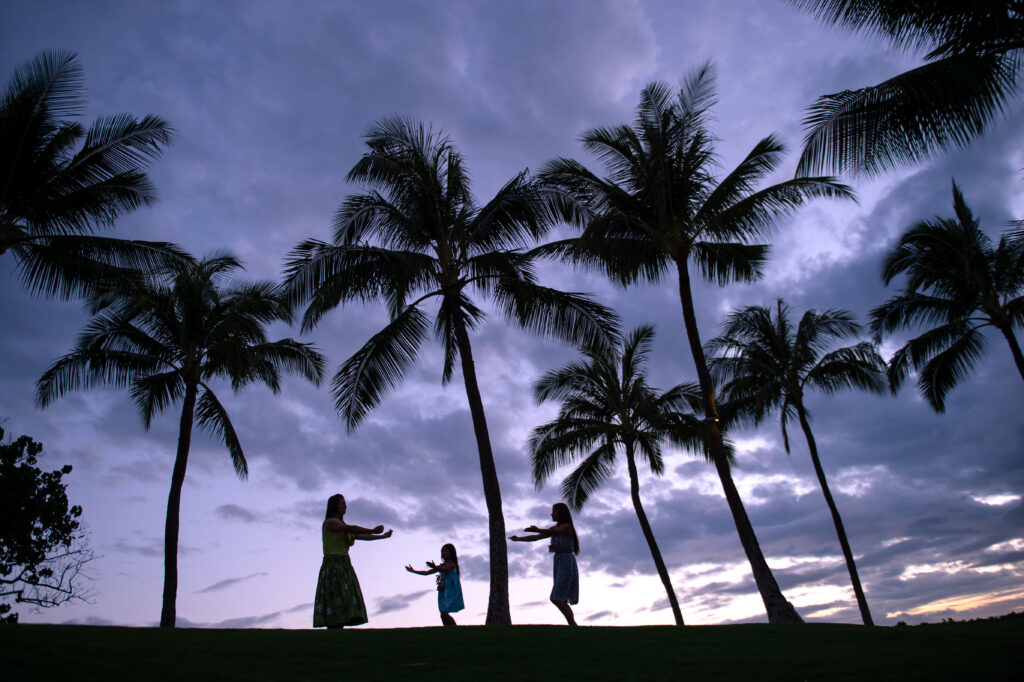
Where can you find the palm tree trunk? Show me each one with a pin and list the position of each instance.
(497, 602)
(862, 601)
(168, 614)
(779, 610)
(1018, 357)
(659, 562)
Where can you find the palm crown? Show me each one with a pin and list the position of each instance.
(768, 365)
(660, 203)
(177, 331)
(60, 182)
(418, 235)
(606, 405)
(957, 281)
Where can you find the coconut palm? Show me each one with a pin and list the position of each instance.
(606, 405)
(969, 78)
(61, 182)
(167, 338)
(416, 236)
(661, 209)
(959, 282)
(766, 365)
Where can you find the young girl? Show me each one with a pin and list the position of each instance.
(449, 588)
(565, 544)
(339, 601)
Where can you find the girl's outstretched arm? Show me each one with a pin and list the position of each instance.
(526, 538)
(409, 568)
(371, 536)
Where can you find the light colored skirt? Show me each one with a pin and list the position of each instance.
(567, 579)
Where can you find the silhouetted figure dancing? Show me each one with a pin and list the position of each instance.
(339, 601)
(565, 544)
(449, 585)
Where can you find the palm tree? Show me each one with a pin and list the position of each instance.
(417, 233)
(661, 208)
(959, 282)
(971, 75)
(59, 182)
(606, 405)
(166, 339)
(767, 365)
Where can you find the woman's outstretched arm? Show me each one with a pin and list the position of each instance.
(339, 526)
(372, 536)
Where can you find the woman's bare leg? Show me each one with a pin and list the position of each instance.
(566, 610)
(448, 621)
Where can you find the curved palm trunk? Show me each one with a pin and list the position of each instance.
(862, 601)
(659, 562)
(1018, 357)
(497, 603)
(779, 610)
(168, 613)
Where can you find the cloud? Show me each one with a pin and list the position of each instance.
(233, 512)
(399, 602)
(229, 582)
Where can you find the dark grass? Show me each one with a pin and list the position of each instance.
(977, 650)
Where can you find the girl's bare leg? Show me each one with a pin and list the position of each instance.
(566, 610)
(448, 621)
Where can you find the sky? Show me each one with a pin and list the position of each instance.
(270, 101)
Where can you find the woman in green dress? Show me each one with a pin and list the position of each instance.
(339, 601)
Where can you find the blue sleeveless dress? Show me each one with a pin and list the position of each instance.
(567, 575)
(449, 595)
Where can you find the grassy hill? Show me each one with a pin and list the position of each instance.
(977, 650)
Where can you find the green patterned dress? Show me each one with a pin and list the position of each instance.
(339, 601)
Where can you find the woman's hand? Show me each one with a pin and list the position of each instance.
(377, 530)
(387, 534)
(409, 568)
(515, 538)
(532, 529)
(431, 564)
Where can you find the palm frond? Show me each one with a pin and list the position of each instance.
(588, 476)
(377, 367)
(574, 318)
(213, 418)
(943, 104)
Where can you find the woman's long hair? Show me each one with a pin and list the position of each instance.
(332, 506)
(562, 515)
(455, 557)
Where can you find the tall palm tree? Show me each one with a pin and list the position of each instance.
(416, 236)
(661, 208)
(61, 182)
(166, 339)
(606, 405)
(970, 76)
(767, 365)
(959, 282)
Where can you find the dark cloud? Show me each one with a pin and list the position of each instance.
(229, 582)
(233, 512)
(398, 602)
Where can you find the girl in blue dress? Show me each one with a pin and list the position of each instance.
(565, 545)
(449, 587)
